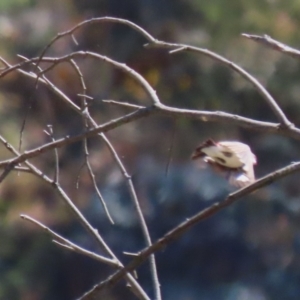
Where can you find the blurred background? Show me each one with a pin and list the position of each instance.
(250, 250)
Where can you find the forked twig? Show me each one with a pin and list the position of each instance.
(136, 288)
(181, 47)
(85, 115)
(70, 245)
(90, 123)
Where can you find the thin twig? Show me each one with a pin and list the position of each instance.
(121, 66)
(153, 268)
(92, 176)
(93, 21)
(273, 44)
(56, 172)
(258, 86)
(10, 163)
(22, 169)
(90, 123)
(125, 104)
(85, 115)
(181, 47)
(70, 245)
(161, 109)
(156, 43)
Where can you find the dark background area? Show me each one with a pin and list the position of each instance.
(250, 250)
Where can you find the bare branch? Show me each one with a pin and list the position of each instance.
(290, 131)
(142, 221)
(22, 169)
(90, 123)
(93, 21)
(9, 164)
(181, 47)
(162, 109)
(125, 104)
(273, 44)
(70, 245)
(185, 226)
(86, 114)
(92, 176)
(156, 43)
(258, 86)
(121, 66)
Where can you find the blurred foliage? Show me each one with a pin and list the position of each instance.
(10, 5)
(250, 250)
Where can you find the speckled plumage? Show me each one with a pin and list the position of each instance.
(234, 159)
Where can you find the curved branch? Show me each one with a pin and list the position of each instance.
(284, 122)
(181, 47)
(132, 25)
(121, 66)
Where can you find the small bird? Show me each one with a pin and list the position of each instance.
(232, 159)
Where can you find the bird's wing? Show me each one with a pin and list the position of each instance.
(240, 149)
(243, 152)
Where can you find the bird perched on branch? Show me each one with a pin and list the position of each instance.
(234, 160)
